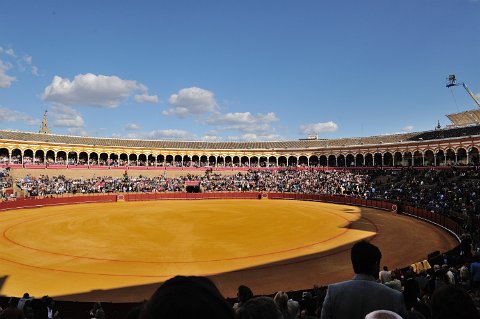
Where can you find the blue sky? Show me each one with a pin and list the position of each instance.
(236, 70)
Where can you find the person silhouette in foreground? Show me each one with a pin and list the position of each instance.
(187, 297)
(363, 294)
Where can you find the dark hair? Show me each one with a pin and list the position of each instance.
(187, 297)
(259, 308)
(244, 294)
(449, 302)
(364, 256)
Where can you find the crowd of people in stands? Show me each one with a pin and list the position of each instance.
(453, 192)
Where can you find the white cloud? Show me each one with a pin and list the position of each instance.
(27, 59)
(243, 121)
(132, 127)
(212, 138)
(65, 116)
(8, 115)
(92, 90)
(169, 134)
(255, 137)
(22, 63)
(8, 52)
(190, 102)
(78, 131)
(5, 79)
(145, 98)
(318, 128)
(408, 128)
(35, 71)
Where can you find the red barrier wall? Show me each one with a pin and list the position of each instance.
(53, 201)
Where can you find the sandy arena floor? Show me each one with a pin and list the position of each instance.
(121, 251)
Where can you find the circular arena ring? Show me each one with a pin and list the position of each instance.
(121, 250)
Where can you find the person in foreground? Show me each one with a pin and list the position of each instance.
(187, 297)
(363, 294)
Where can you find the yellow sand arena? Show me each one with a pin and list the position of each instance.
(72, 249)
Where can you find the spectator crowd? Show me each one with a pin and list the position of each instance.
(452, 285)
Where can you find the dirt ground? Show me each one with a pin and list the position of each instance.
(122, 251)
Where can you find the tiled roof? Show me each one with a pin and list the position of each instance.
(224, 145)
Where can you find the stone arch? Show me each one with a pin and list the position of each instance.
(83, 158)
(113, 158)
(462, 156)
(50, 157)
(61, 157)
(368, 159)
(93, 158)
(169, 160)
(133, 159)
(292, 161)
(142, 160)
(378, 159)
(228, 161)
(254, 161)
(313, 160)
(220, 161)
(473, 154)
(303, 160)
(28, 156)
(236, 161)
(341, 162)
(177, 161)
(350, 160)
(187, 161)
(160, 160)
(72, 158)
(417, 158)
(16, 157)
(123, 161)
(212, 160)
(272, 161)
(323, 160)
(387, 159)
(263, 160)
(398, 158)
(103, 159)
(440, 157)
(429, 158)
(39, 157)
(332, 160)
(408, 158)
(359, 160)
(203, 161)
(244, 161)
(450, 157)
(196, 161)
(4, 155)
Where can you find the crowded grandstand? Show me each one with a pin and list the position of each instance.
(436, 171)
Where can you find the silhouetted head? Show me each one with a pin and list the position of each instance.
(366, 258)
(244, 294)
(382, 314)
(187, 297)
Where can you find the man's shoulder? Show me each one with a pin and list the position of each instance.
(365, 284)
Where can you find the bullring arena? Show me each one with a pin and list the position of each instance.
(119, 246)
